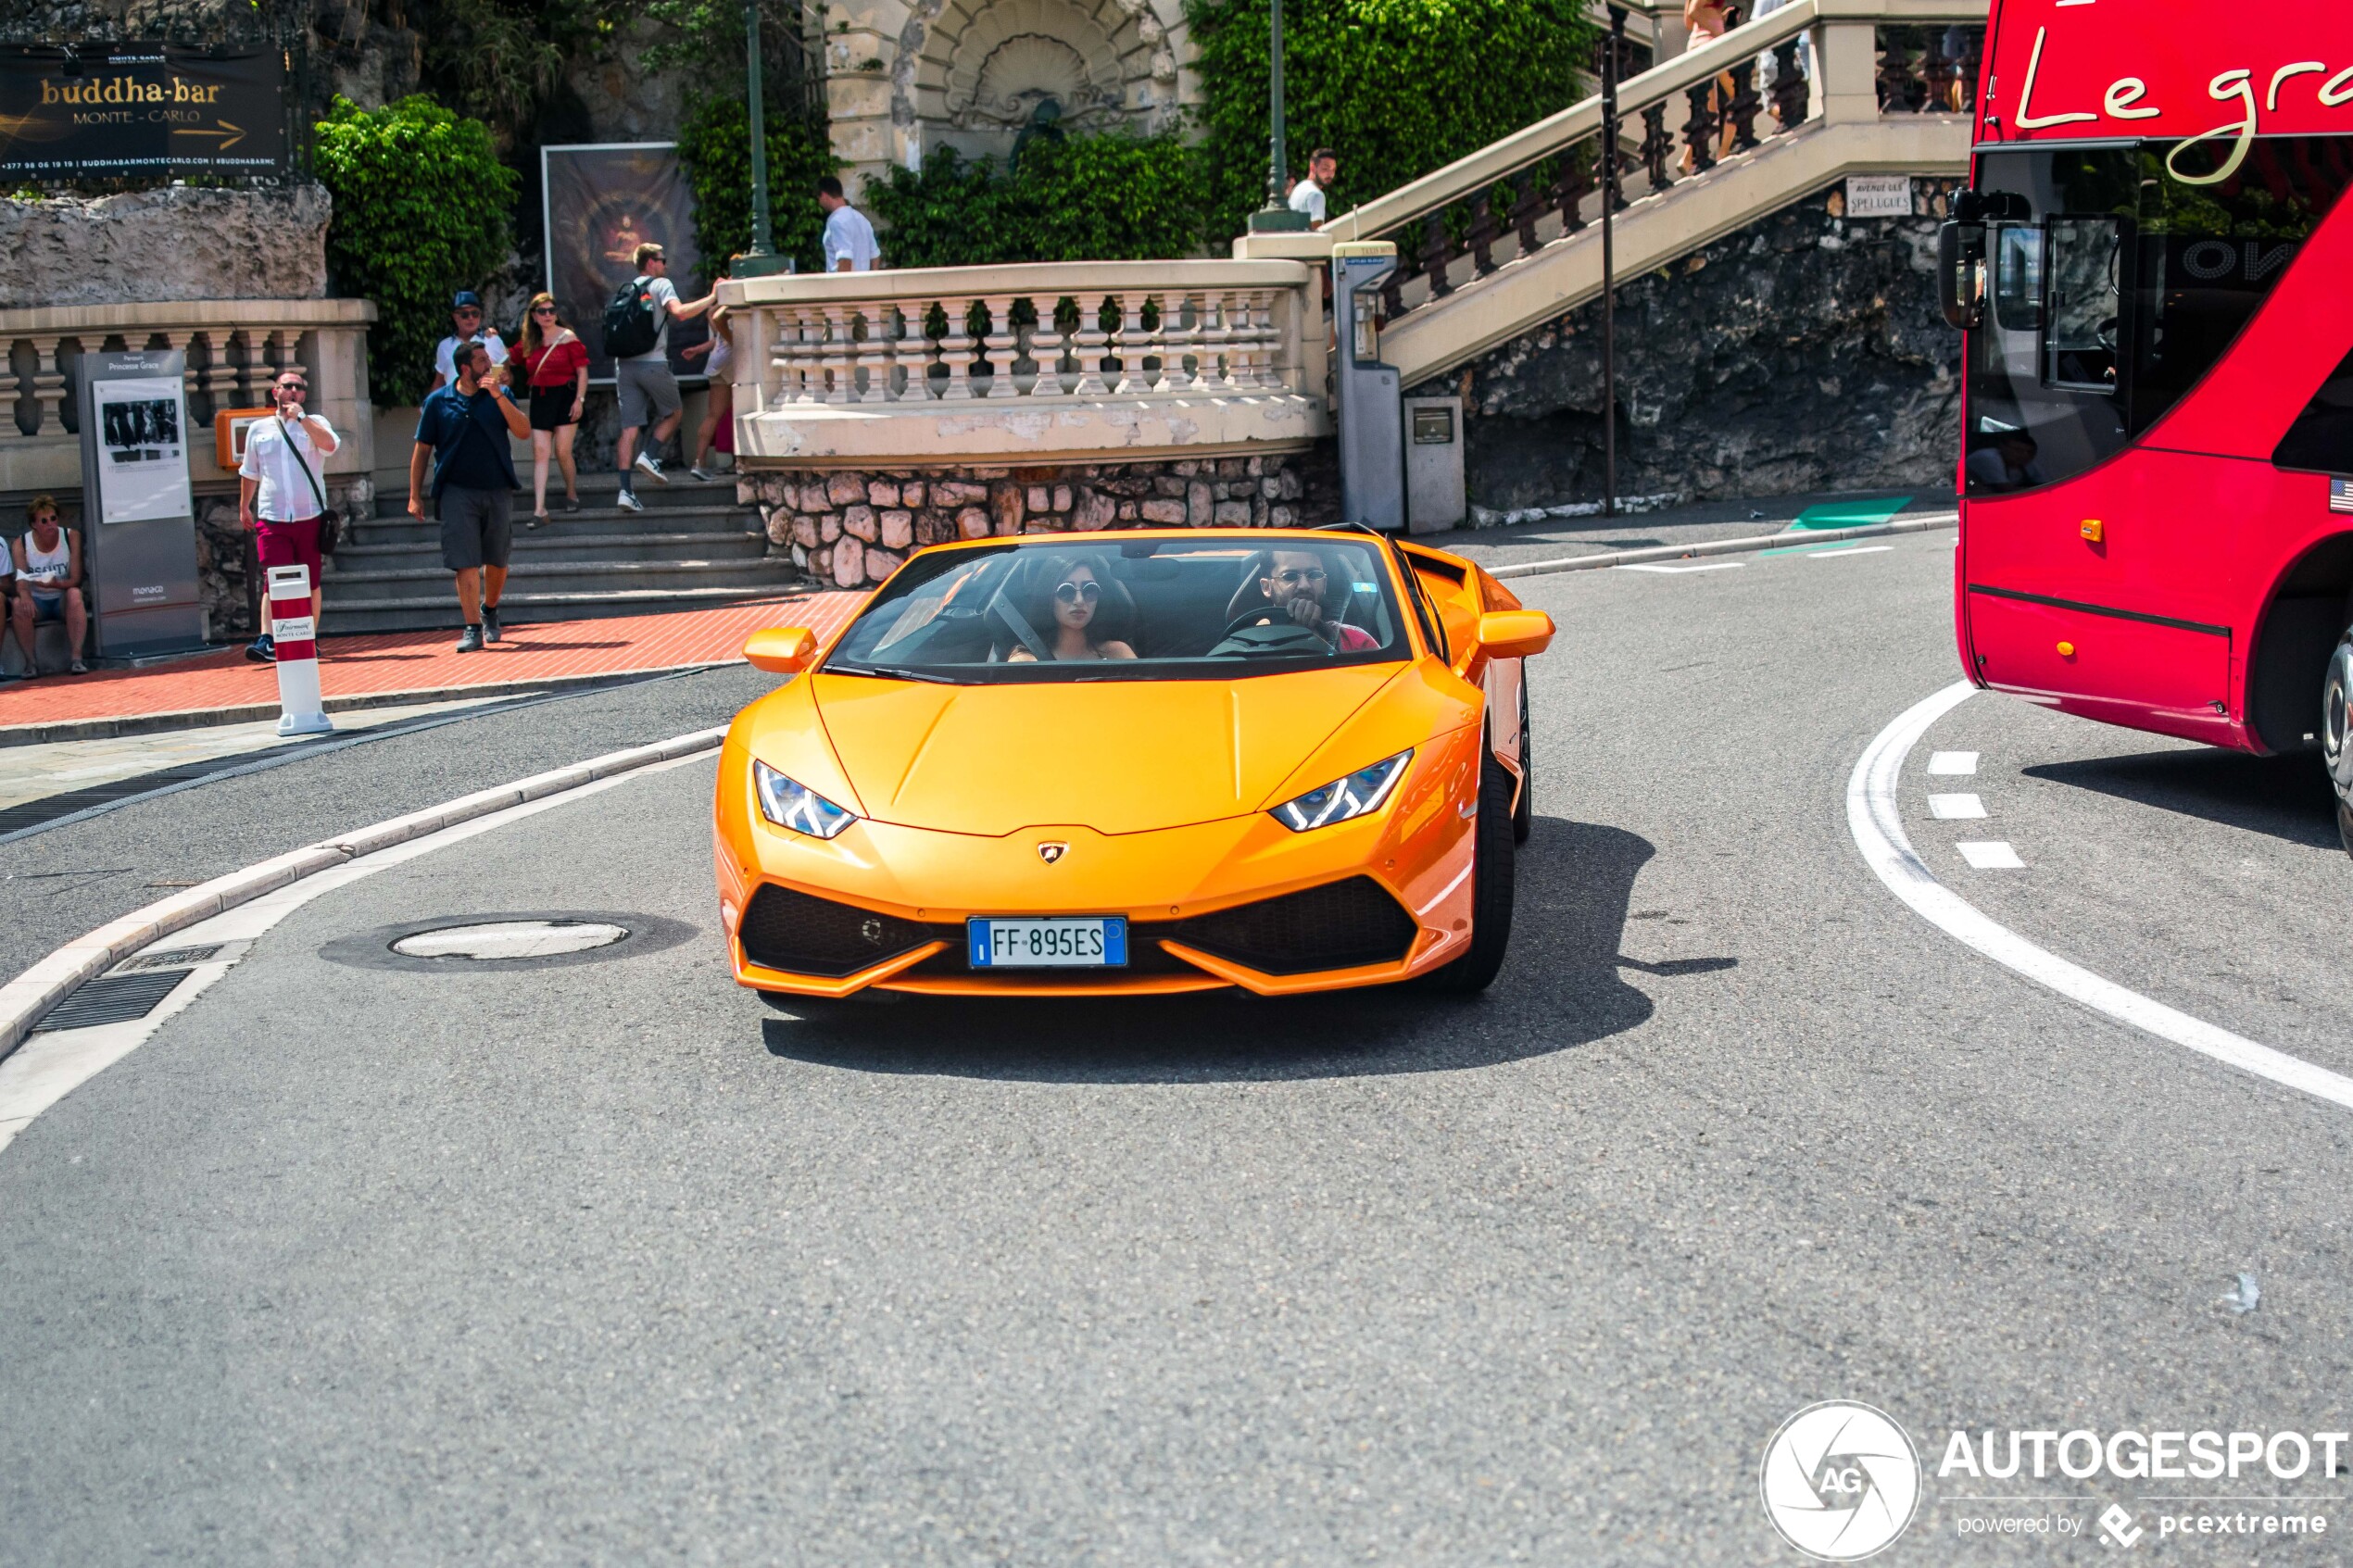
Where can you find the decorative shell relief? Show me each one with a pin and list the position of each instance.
(1027, 68)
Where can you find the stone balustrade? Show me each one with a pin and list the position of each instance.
(236, 347)
(1025, 365)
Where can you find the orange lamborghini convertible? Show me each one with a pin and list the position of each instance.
(1137, 763)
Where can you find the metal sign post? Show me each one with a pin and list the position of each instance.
(1610, 56)
(138, 512)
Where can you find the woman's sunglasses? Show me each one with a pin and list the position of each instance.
(1077, 593)
(543, 310)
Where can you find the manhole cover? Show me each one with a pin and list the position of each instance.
(489, 941)
(511, 939)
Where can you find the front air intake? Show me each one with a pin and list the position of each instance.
(801, 935)
(1339, 925)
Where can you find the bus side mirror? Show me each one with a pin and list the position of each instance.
(781, 650)
(1960, 273)
(1515, 633)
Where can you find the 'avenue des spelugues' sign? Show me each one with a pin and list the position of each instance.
(141, 108)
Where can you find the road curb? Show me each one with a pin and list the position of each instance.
(251, 712)
(1797, 539)
(25, 1000)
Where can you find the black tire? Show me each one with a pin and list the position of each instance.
(1524, 813)
(1493, 880)
(2336, 734)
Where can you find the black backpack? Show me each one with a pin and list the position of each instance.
(631, 326)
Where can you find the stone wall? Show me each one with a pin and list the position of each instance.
(177, 242)
(1806, 352)
(854, 528)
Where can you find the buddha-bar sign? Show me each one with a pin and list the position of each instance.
(108, 110)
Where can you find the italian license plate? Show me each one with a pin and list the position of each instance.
(1093, 943)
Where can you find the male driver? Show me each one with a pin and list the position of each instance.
(849, 239)
(648, 392)
(1296, 582)
(464, 428)
(282, 490)
(1307, 196)
(48, 565)
(465, 326)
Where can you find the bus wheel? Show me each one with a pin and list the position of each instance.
(2336, 734)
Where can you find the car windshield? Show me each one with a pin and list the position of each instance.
(1145, 608)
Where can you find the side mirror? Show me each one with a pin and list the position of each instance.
(781, 650)
(1960, 259)
(1515, 633)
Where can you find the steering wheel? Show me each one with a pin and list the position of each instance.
(1279, 634)
(2104, 333)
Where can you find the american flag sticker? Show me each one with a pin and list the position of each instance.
(2341, 494)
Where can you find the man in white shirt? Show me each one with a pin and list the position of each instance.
(1307, 196)
(849, 239)
(282, 489)
(465, 321)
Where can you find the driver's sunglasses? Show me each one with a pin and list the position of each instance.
(1314, 574)
(1077, 593)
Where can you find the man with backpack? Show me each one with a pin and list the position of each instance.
(637, 336)
(463, 429)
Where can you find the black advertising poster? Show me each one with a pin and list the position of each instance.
(603, 201)
(114, 110)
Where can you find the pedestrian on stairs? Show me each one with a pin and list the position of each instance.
(637, 335)
(556, 364)
(282, 491)
(463, 429)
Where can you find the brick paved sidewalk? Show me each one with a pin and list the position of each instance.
(224, 688)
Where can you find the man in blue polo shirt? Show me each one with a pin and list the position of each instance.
(463, 429)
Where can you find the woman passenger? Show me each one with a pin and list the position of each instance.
(1077, 594)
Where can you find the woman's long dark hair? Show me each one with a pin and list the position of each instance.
(1053, 569)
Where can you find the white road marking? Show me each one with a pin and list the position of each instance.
(52, 1064)
(1876, 820)
(1991, 856)
(1847, 550)
(1952, 764)
(1703, 566)
(1955, 808)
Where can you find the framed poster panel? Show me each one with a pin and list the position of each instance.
(143, 450)
(601, 200)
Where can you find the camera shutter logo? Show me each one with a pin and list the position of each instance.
(1840, 1481)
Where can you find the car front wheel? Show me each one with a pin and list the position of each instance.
(1493, 881)
(2336, 734)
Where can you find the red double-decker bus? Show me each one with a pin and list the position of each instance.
(2153, 266)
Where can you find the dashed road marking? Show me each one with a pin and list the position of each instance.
(1703, 566)
(1952, 764)
(1955, 808)
(1875, 818)
(1992, 856)
(1848, 550)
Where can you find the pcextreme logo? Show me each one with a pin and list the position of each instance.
(1840, 1481)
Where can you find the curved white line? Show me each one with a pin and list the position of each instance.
(1872, 815)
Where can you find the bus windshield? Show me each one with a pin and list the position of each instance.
(2112, 287)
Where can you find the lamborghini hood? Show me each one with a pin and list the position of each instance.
(1114, 756)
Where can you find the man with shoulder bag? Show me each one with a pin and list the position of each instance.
(281, 494)
(463, 429)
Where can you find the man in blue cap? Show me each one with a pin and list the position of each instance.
(465, 323)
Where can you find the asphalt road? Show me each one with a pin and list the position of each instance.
(608, 1262)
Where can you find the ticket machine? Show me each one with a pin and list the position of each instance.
(1372, 407)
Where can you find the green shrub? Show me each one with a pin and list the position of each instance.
(1397, 88)
(422, 205)
(714, 144)
(1110, 197)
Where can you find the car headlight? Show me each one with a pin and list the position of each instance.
(791, 804)
(1359, 793)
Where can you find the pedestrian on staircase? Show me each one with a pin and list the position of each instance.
(637, 335)
(282, 493)
(463, 429)
(556, 362)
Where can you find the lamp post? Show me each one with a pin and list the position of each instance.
(1276, 217)
(761, 259)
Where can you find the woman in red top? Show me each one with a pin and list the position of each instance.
(557, 362)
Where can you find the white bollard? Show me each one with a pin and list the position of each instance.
(294, 636)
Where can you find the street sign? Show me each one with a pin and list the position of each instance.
(105, 110)
(1879, 195)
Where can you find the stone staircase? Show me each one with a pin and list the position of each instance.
(693, 546)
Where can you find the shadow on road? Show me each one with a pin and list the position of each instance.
(1560, 988)
(2287, 797)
